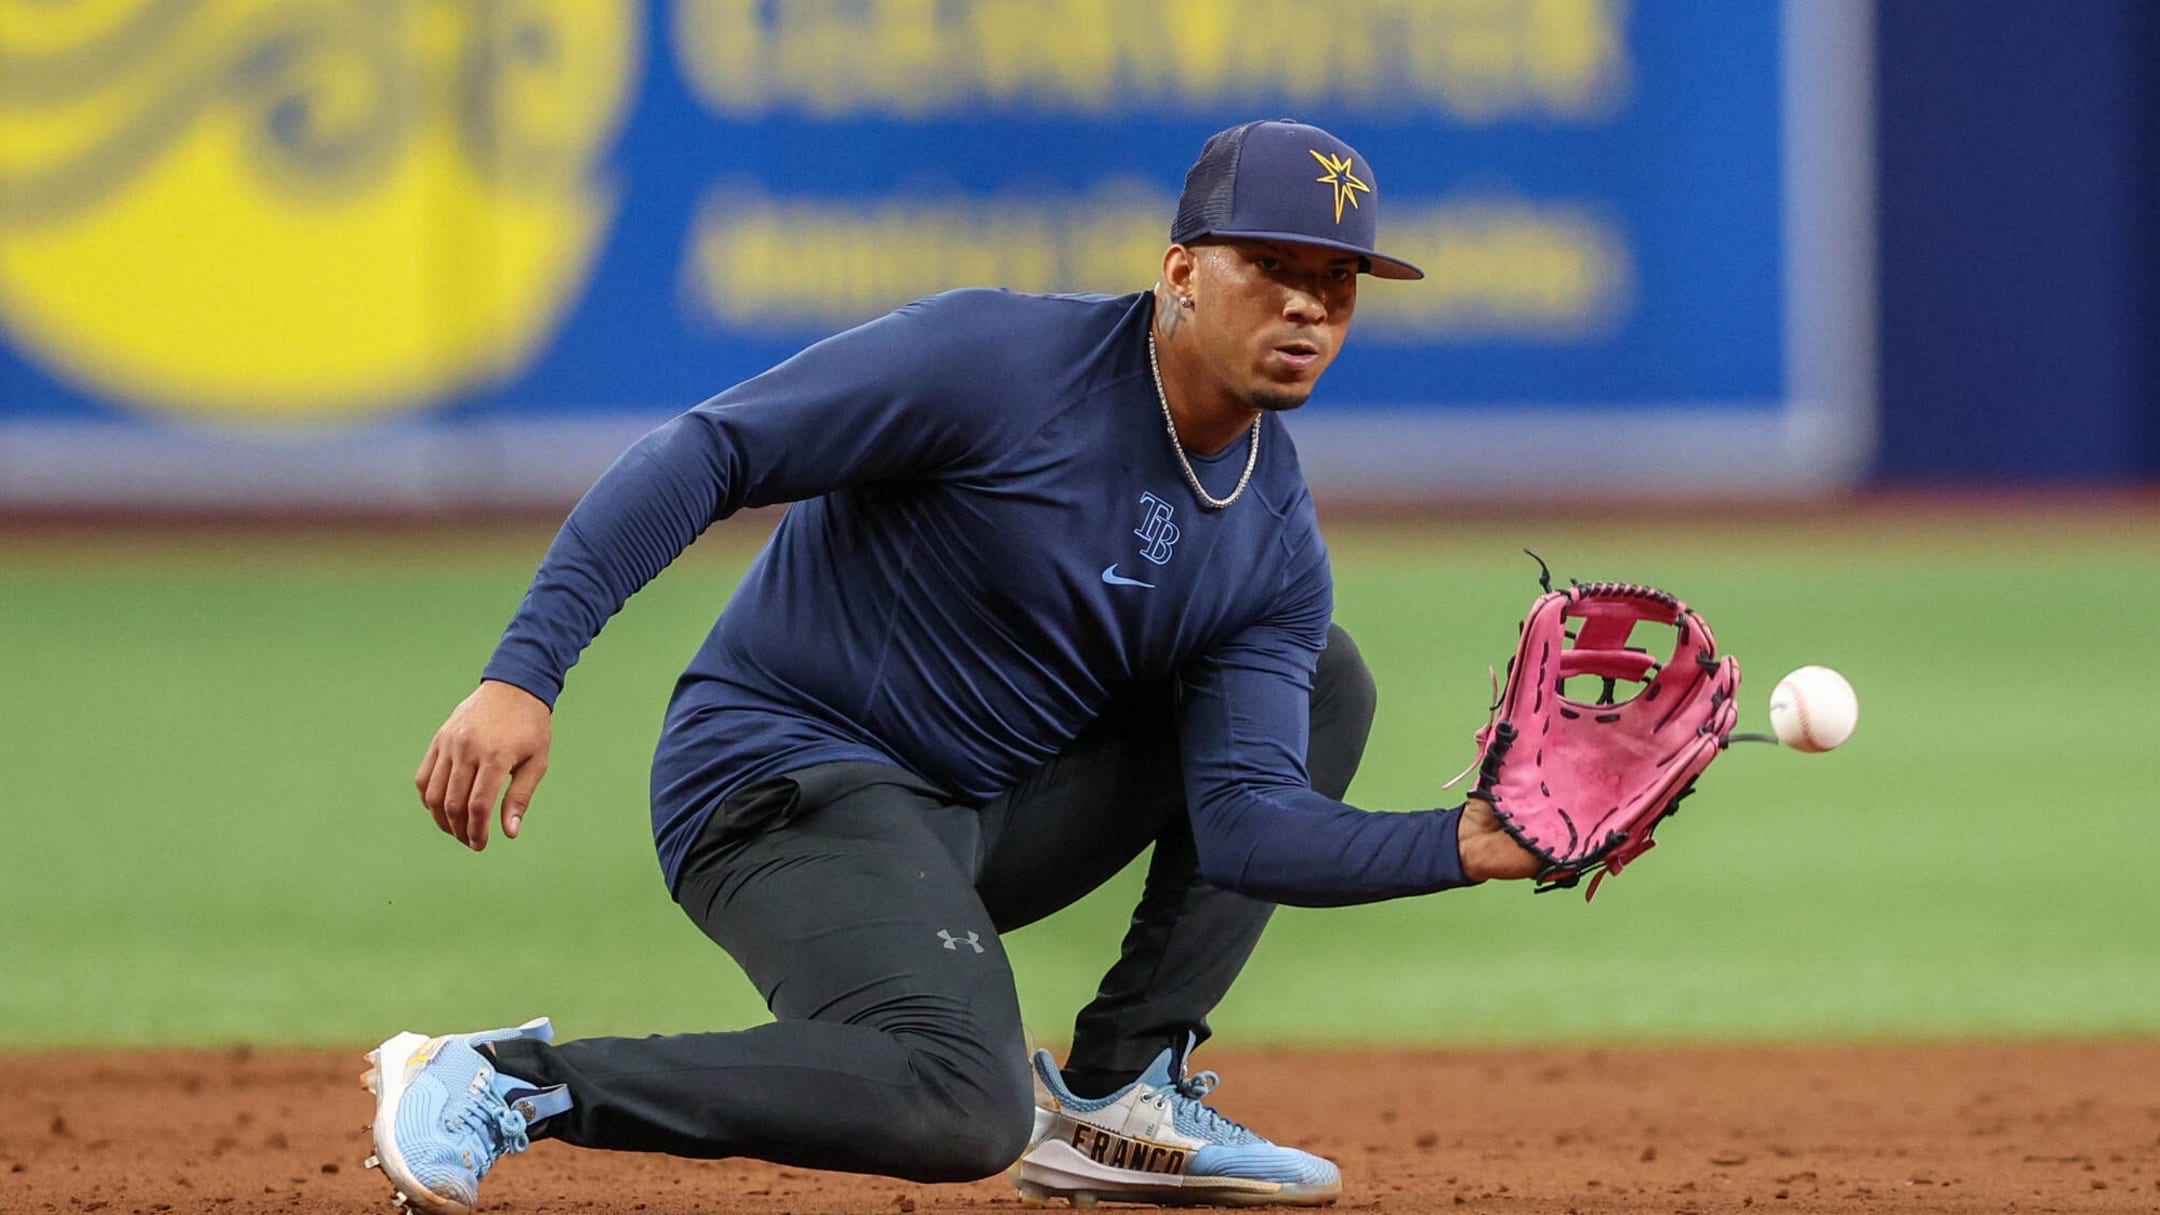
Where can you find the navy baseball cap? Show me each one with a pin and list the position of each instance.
(1287, 181)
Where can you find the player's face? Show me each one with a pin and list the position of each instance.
(1270, 316)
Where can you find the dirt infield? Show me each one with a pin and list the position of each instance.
(2025, 1127)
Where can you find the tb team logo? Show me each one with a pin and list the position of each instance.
(1156, 531)
(293, 210)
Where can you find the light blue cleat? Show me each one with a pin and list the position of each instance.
(1155, 1141)
(444, 1115)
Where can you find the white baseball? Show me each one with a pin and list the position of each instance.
(1813, 709)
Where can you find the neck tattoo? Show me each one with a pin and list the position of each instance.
(1177, 446)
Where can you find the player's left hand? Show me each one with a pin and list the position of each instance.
(1487, 850)
(1580, 784)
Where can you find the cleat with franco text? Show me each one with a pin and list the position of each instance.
(1155, 1142)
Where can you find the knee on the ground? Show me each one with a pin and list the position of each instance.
(974, 1118)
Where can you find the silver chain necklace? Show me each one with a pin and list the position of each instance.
(1252, 456)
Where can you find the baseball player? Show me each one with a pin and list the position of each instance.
(1052, 591)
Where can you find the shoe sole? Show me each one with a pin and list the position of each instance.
(385, 1077)
(1054, 1170)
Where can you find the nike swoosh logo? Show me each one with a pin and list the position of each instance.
(1111, 576)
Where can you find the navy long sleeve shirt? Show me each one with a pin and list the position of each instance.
(991, 538)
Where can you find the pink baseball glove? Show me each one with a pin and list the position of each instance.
(1583, 784)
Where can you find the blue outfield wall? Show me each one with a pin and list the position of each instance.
(426, 253)
(2020, 241)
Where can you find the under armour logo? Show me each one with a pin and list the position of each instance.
(954, 943)
(1156, 529)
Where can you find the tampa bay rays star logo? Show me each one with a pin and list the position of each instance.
(1339, 176)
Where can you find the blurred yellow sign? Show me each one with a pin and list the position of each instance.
(1476, 61)
(288, 210)
(1497, 267)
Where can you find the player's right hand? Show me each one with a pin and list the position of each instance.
(499, 733)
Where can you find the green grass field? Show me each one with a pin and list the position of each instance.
(208, 832)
